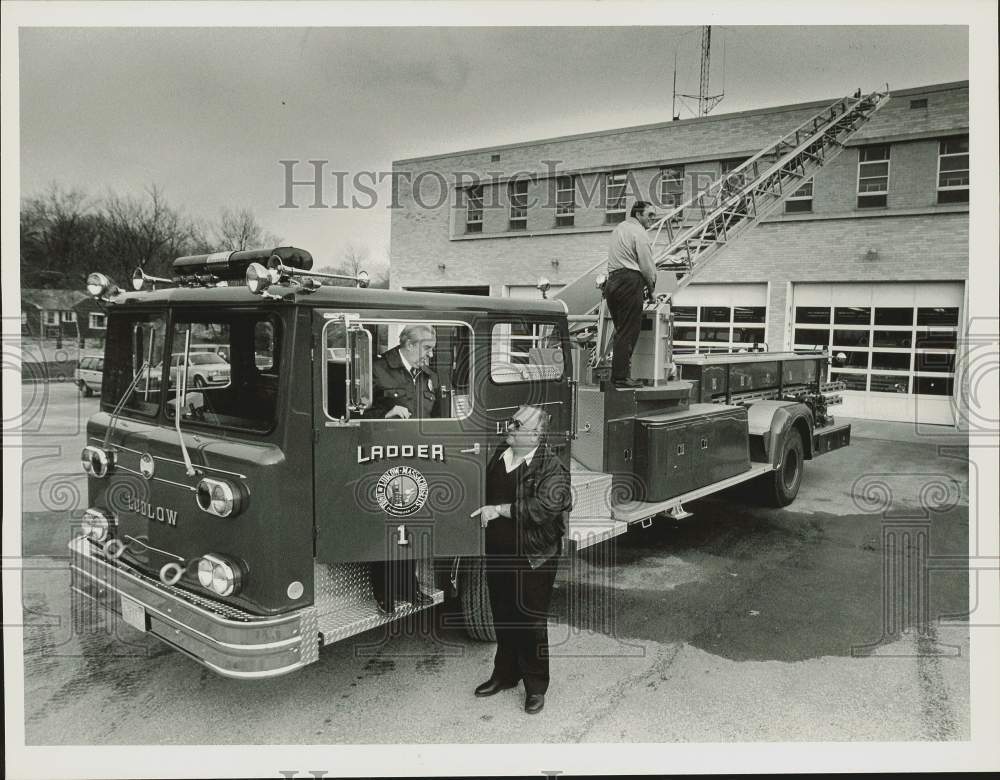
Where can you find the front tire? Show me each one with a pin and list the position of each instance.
(85, 390)
(475, 598)
(784, 482)
(199, 382)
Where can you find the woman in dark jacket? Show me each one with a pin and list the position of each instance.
(529, 491)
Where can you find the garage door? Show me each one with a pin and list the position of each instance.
(898, 341)
(719, 318)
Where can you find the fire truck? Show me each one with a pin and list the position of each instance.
(237, 519)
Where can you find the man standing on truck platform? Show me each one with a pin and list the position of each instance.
(524, 530)
(630, 281)
(404, 387)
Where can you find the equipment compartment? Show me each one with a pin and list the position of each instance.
(676, 453)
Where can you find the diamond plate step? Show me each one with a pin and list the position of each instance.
(590, 522)
(345, 605)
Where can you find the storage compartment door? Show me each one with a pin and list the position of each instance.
(720, 448)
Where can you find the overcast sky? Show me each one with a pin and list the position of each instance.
(207, 113)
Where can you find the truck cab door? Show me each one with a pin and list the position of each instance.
(389, 488)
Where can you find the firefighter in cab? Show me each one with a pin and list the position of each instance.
(404, 384)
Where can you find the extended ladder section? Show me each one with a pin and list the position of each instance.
(727, 208)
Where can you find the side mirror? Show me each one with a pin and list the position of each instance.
(359, 349)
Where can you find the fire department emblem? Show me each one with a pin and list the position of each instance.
(401, 491)
(146, 465)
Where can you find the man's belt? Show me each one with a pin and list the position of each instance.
(619, 270)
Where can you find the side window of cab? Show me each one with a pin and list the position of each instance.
(418, 369)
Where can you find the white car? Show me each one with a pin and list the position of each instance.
(222, 350)
(205, 369)
(89, 374)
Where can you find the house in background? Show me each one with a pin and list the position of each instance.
(62, 316)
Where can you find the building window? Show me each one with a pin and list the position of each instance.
(672, 186)
(565, 201)
(615, 184)
(801, 200)
(873, 176)
(886, 349)
(918, 103)
(68, 316)
(518, 192)
(474, 209)
(98, 321)
(730, 165)
(953, 170)
(707, 329)
(51, 317)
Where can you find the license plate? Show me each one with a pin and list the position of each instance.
(133, 613)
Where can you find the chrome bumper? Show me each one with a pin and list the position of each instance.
(234, 644)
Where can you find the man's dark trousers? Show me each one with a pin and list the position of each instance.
(519, 599)
(624, 293)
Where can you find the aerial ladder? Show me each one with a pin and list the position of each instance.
(690, 236)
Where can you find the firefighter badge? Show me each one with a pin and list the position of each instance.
(401, 491)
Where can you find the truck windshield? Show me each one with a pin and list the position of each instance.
(240, 393)
(134, 348)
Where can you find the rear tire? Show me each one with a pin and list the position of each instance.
(475, 598)
(85, 390)
(783, 484)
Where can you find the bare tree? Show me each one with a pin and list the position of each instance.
(142, 231)
(355, 258)
(59, 231)
(239, 230)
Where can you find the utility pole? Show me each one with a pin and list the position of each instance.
(704, 102)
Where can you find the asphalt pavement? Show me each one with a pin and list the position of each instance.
(823, 621)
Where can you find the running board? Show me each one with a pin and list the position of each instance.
(637, 511)
(583, 534)
(345, 605)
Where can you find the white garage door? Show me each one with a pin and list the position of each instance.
(719, 318)
(899, 341)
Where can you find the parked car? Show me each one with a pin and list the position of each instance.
(88, 375)
(222, 350)
(206, 369)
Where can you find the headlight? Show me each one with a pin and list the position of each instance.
(95, 525)
(258, 278)
(99, 285)
(219, 575)
(96, 462)
(219, 497)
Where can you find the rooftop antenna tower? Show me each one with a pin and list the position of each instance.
(704, 102)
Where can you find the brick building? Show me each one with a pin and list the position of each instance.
(871, 259)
